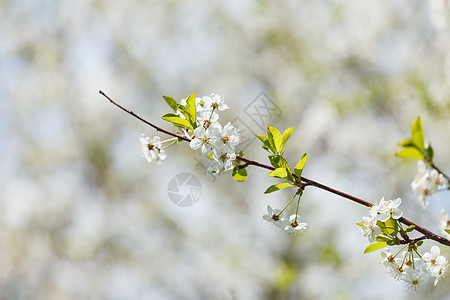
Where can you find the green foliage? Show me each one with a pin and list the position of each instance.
(177, 121)
(382, 239)
(447, 230)
(417, 134)
(275, 139)
(188, 111)
(239, 174)
(415, 147)
(300, 165)
(410, 228)
(277, 187)
(286, 135)
(274, 142)
(388, 228)
(279, 161)
(410, 152)
(172, 103)
(191, 109)
(282, 173)
(266, 144)
(375, 246)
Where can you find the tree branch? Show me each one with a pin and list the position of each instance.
(427, 233)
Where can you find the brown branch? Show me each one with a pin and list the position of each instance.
(144, 120)
(428, 234)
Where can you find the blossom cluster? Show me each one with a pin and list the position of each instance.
(291, 225)
(381, 211)
(416, 271)
(217, 142)
(427, 181)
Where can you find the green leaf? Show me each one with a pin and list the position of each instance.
(172, 103)
(382, 239)
(239, 174)
(190, 108)
(391, 242)
(419, 243)
(406, 143)
(279, 161)
(410, 152)
(281, 173)
(262, 137)
(277, 187)
(429, 153)
(177, 121)
(447, 230)
(266, 143)
(410, 228)
(417, 134)
(300, 165)
(285, 137)
(375, 246)
(388, 228)
(275, 140)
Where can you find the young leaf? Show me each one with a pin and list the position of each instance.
(300, 165)
(388, 228)
(281, 173)
(266, 143)
(417, 134)
(177, 121)
(429, 153)
(447, 230)
(410, 228)
(406, 143)
(277, 187)
(274, 136)
(284, 138)
(190, 107)
(172, 103)
(375, 246)
(239, 174)
(262, 137)
(410, 152)
(382, 239)
(279, 161)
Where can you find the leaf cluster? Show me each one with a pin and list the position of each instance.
(415, 147)
(188, 112)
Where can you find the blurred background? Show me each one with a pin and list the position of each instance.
(84, 216)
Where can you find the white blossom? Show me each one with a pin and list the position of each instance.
(389, 208)
(215, 102)
(294, 226)
(426, 182)
(414, 278)
(275, 218)
(435, 264)
(151, 149)
(204, 139)
(370, 229)
(391, 264)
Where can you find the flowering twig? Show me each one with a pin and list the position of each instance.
(427, 233)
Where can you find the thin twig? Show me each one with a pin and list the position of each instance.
(427, 234)
(144, 120)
